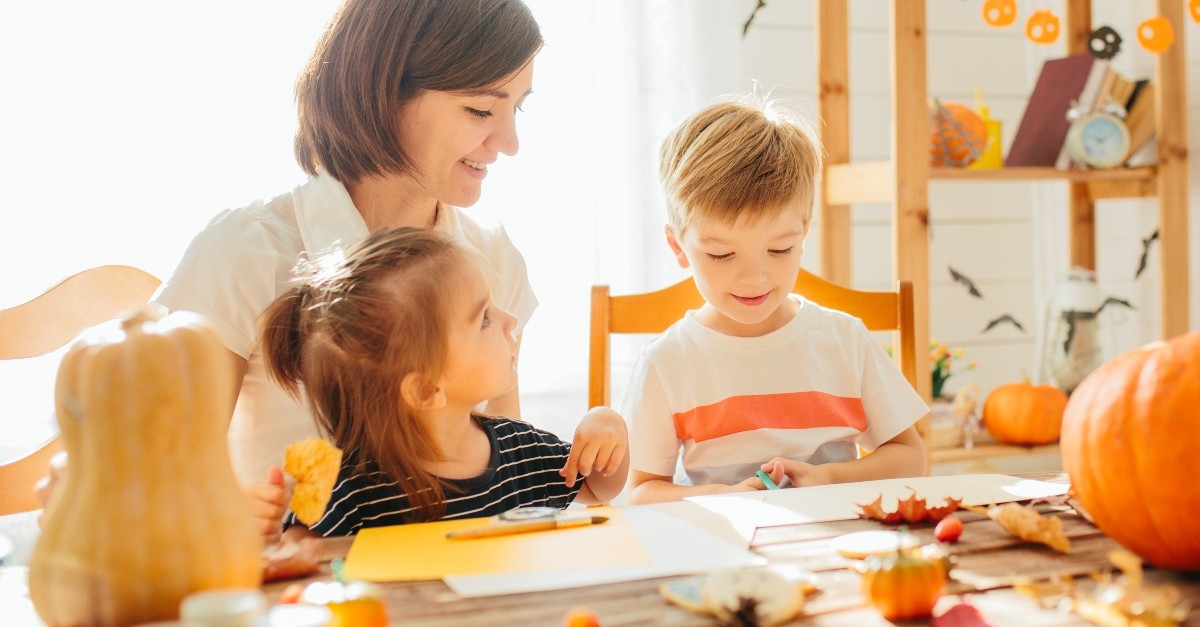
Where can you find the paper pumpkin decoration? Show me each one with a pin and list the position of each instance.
(1104, 43)
(957, 135)
(1194, 9)
(1001, 13)
(1156, 34)
(1043, 27)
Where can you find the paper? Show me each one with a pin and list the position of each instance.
(748, 511)
(422, 551)
(676, 536)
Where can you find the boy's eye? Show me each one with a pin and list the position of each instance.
(479, 113)
(487, 318)
(720, 257)
(782, 251)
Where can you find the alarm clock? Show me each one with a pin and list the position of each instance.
(1099, 139)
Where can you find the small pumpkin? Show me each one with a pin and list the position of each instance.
(150, 511)
(1129, 446)
(957, 135)
(1042, 27)
(1024, 413)
(904, 585)
(999, 13)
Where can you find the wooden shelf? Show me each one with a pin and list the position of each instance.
(988, 451)
(902, 182)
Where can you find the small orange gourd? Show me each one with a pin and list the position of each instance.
(149, 511)
(904, 585)
(1025, 414)
(1129, 445)
(957, 135)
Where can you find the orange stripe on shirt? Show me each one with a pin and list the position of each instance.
(791, 410)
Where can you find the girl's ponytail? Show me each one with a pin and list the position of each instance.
(283, 341)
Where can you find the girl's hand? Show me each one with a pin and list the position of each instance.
(267, 504)
(799, 474)
(600, 444)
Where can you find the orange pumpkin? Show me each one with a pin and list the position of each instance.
(957, 135)
(1129, 446)
(1194, 9)
(1156, 34)
(1000, 13)
(904, 585)
(1042, 27)
(1024, 413)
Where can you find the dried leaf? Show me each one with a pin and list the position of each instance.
(910, 510)
(1126, 602)
(1026, 524)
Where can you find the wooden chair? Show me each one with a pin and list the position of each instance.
(46, 324)
(653, 312)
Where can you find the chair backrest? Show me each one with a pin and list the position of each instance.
(653, 312)
(46, 324)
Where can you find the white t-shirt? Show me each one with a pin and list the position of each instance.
(243, 260)
(808, 391)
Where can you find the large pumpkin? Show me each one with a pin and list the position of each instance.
(1131, 445)
(149, 510)
(1024, 413)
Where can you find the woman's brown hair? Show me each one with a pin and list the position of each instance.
(377, 55)
(353, 327)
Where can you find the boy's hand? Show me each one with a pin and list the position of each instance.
(600, 444)
(799, 474)
(267, 504)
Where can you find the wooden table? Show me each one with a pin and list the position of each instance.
(989, 561)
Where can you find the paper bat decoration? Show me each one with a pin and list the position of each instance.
(753, 14)
(1005, 318)
(1072, 317)
(1145, 253)
(965, 281)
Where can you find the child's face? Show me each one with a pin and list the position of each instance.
(745, 270)
(482, 359)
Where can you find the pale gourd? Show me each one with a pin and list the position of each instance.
(149, 511)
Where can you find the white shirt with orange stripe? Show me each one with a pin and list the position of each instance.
(808, 391)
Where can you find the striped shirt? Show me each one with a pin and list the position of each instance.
(523, 471)
(723, 405)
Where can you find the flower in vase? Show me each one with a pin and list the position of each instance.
(942, 360)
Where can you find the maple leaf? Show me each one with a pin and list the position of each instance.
(913, 509)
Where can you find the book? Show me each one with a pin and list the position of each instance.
(1140, 120)
(1099, 80)
(1043, 129)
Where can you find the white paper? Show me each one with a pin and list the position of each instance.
(748, 511)
(679, 537)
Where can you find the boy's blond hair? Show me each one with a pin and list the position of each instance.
(738, 158)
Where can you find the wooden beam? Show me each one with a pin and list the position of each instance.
(833, 107)
(1081, 210)
(1171, 131)
(910, 168)
(863, 182)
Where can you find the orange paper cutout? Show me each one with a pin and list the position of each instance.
(1156, 34)
(1001, 13)
(1042, 27)
(1194, 9)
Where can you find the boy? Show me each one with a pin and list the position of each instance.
(757, 377)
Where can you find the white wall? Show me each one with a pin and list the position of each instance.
(1010, 238)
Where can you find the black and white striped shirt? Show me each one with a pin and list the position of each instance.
(523, 471)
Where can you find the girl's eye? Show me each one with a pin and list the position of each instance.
(720, 257)
(487, 318)
(781, 252)
(479, 113)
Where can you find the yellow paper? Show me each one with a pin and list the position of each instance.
(421, 551)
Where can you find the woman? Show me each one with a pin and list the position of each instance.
(402, 107)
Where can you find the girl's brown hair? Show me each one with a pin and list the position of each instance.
(353, 327)
(377, 55)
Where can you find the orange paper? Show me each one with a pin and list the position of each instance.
(421, 551)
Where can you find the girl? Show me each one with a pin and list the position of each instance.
(394, 344)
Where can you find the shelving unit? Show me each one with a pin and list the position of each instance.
(903, 181)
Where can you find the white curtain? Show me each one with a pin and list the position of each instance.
(127, 124)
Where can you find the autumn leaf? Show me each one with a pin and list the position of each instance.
(910, 510)
(1026, 524)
